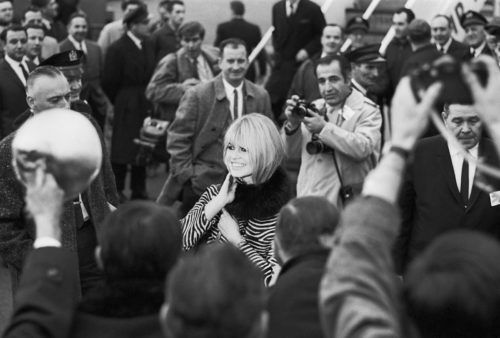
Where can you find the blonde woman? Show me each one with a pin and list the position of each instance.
(243, 210)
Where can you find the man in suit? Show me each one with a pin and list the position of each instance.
(440, 193)
(298, 25)
(6, 17)
(13, 73)
(475, 37)
(399, 49)
(35, 34)
(54, 27)
(128, 67)
(441, 27)
(114, 30)
(166, 39)
(33, 15)
(239, 28)
(194, 141)
(93, 64)
(303, 230)
(181, 70)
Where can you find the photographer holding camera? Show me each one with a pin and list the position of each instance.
(338, 135)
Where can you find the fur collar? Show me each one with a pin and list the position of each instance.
(124, 299)
(263, 200)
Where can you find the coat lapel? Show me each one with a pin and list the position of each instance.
(13, 75)
(444, 160)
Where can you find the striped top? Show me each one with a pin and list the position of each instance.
(258, 233)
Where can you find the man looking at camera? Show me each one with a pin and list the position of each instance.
(346, 125)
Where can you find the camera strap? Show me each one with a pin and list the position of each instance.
(337, 169)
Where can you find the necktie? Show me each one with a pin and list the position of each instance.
(25, 72)
(464, 183)
(78, 213)
(194, 62)
(441, 49)
(235, 105)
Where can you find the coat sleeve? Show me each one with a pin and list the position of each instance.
(47, 295)
(181, 135)
(164, 86)
(358, 293)
(358, 144)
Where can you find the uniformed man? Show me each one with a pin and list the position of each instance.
(340, 142)
(475, 36)
(356, 30)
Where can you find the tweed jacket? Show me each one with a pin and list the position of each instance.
(195, 137)
(17, 231)
(165, 88)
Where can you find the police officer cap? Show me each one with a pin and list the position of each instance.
(365, 54)
(69, 62)
(493, 27)
(357, 22)
(472, 18)
(138, 15)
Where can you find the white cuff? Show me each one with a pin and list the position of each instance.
(43, 242)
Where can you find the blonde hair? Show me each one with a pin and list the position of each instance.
(260, 136)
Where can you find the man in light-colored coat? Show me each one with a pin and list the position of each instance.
(195, 137)
(347, 124)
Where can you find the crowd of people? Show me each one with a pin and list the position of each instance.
(307, 193)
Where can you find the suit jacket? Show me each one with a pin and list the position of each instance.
(195, 137)
(431, 203)
(12, 97)
(396, 54)
(165, 41)
(459, 50)
(248, 32)
(92, 70)
(127, 71)
(165, 89)
(293, 302)
(423, 55)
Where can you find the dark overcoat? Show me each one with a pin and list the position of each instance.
(127, 71)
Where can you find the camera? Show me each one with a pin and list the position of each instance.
(301, 108)
(315, 146)
(448, 71)
(152, 135)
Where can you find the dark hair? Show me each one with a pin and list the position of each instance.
(302, 221)
(409, 13)
(216, 292)
(125, 3)
(13, 28)
(191, 28)
(34, 26)
(78, 15)
(419, 31)
(446, 17)
(233, 43)
(140, 240)
(237, 7)
(345, 65)
(41, 71)
(452, 288)
(342, 31)
(172, 3)
(30, 8)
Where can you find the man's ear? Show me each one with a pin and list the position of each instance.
(98, 258)
(30, 101)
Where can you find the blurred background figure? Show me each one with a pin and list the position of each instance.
(33, 15)
(475, 37)
(166, 40)
(50, 11)
(356, 30)
(35, 34)
(216, 292)
(441, 28)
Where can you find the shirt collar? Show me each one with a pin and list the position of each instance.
(13, 63)
(229, 88)
(479, 49)
(446, 45)
(359, 87)
(74, 42)
(455, 151)
(135, 39)
(346, 111)
(36, 60)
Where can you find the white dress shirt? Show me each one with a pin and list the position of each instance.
(457, 161)
(230, 96)
(444, 47)
(289, 7)
(477, 51)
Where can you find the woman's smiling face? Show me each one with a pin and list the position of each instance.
(237, 161)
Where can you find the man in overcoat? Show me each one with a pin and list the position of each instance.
(128, 67)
